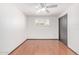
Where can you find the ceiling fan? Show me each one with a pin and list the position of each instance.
(44, 7)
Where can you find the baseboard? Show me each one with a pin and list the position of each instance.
(18, 46)
(42, 39)
(69, 48)
(29, 39)
(73, 51)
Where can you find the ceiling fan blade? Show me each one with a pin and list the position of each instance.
(51, 6)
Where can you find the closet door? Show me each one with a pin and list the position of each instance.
(63, 29)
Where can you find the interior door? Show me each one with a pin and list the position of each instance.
(63, 29)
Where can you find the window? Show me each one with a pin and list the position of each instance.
(43, 22)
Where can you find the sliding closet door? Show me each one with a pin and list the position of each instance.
(63, 29)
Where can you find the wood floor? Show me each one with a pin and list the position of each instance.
(42, 47)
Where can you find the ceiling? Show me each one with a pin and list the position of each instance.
(33, 8)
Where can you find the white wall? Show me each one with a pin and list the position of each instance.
(12, 28)
(40, 32)
(73, 27)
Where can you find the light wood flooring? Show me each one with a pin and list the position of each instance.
(42, 47)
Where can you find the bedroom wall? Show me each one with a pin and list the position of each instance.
(73, 27)
(42, 32)
(12, 28)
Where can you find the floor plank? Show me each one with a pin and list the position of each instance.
(42, 47)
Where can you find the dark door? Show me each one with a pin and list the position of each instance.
(63, 29)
